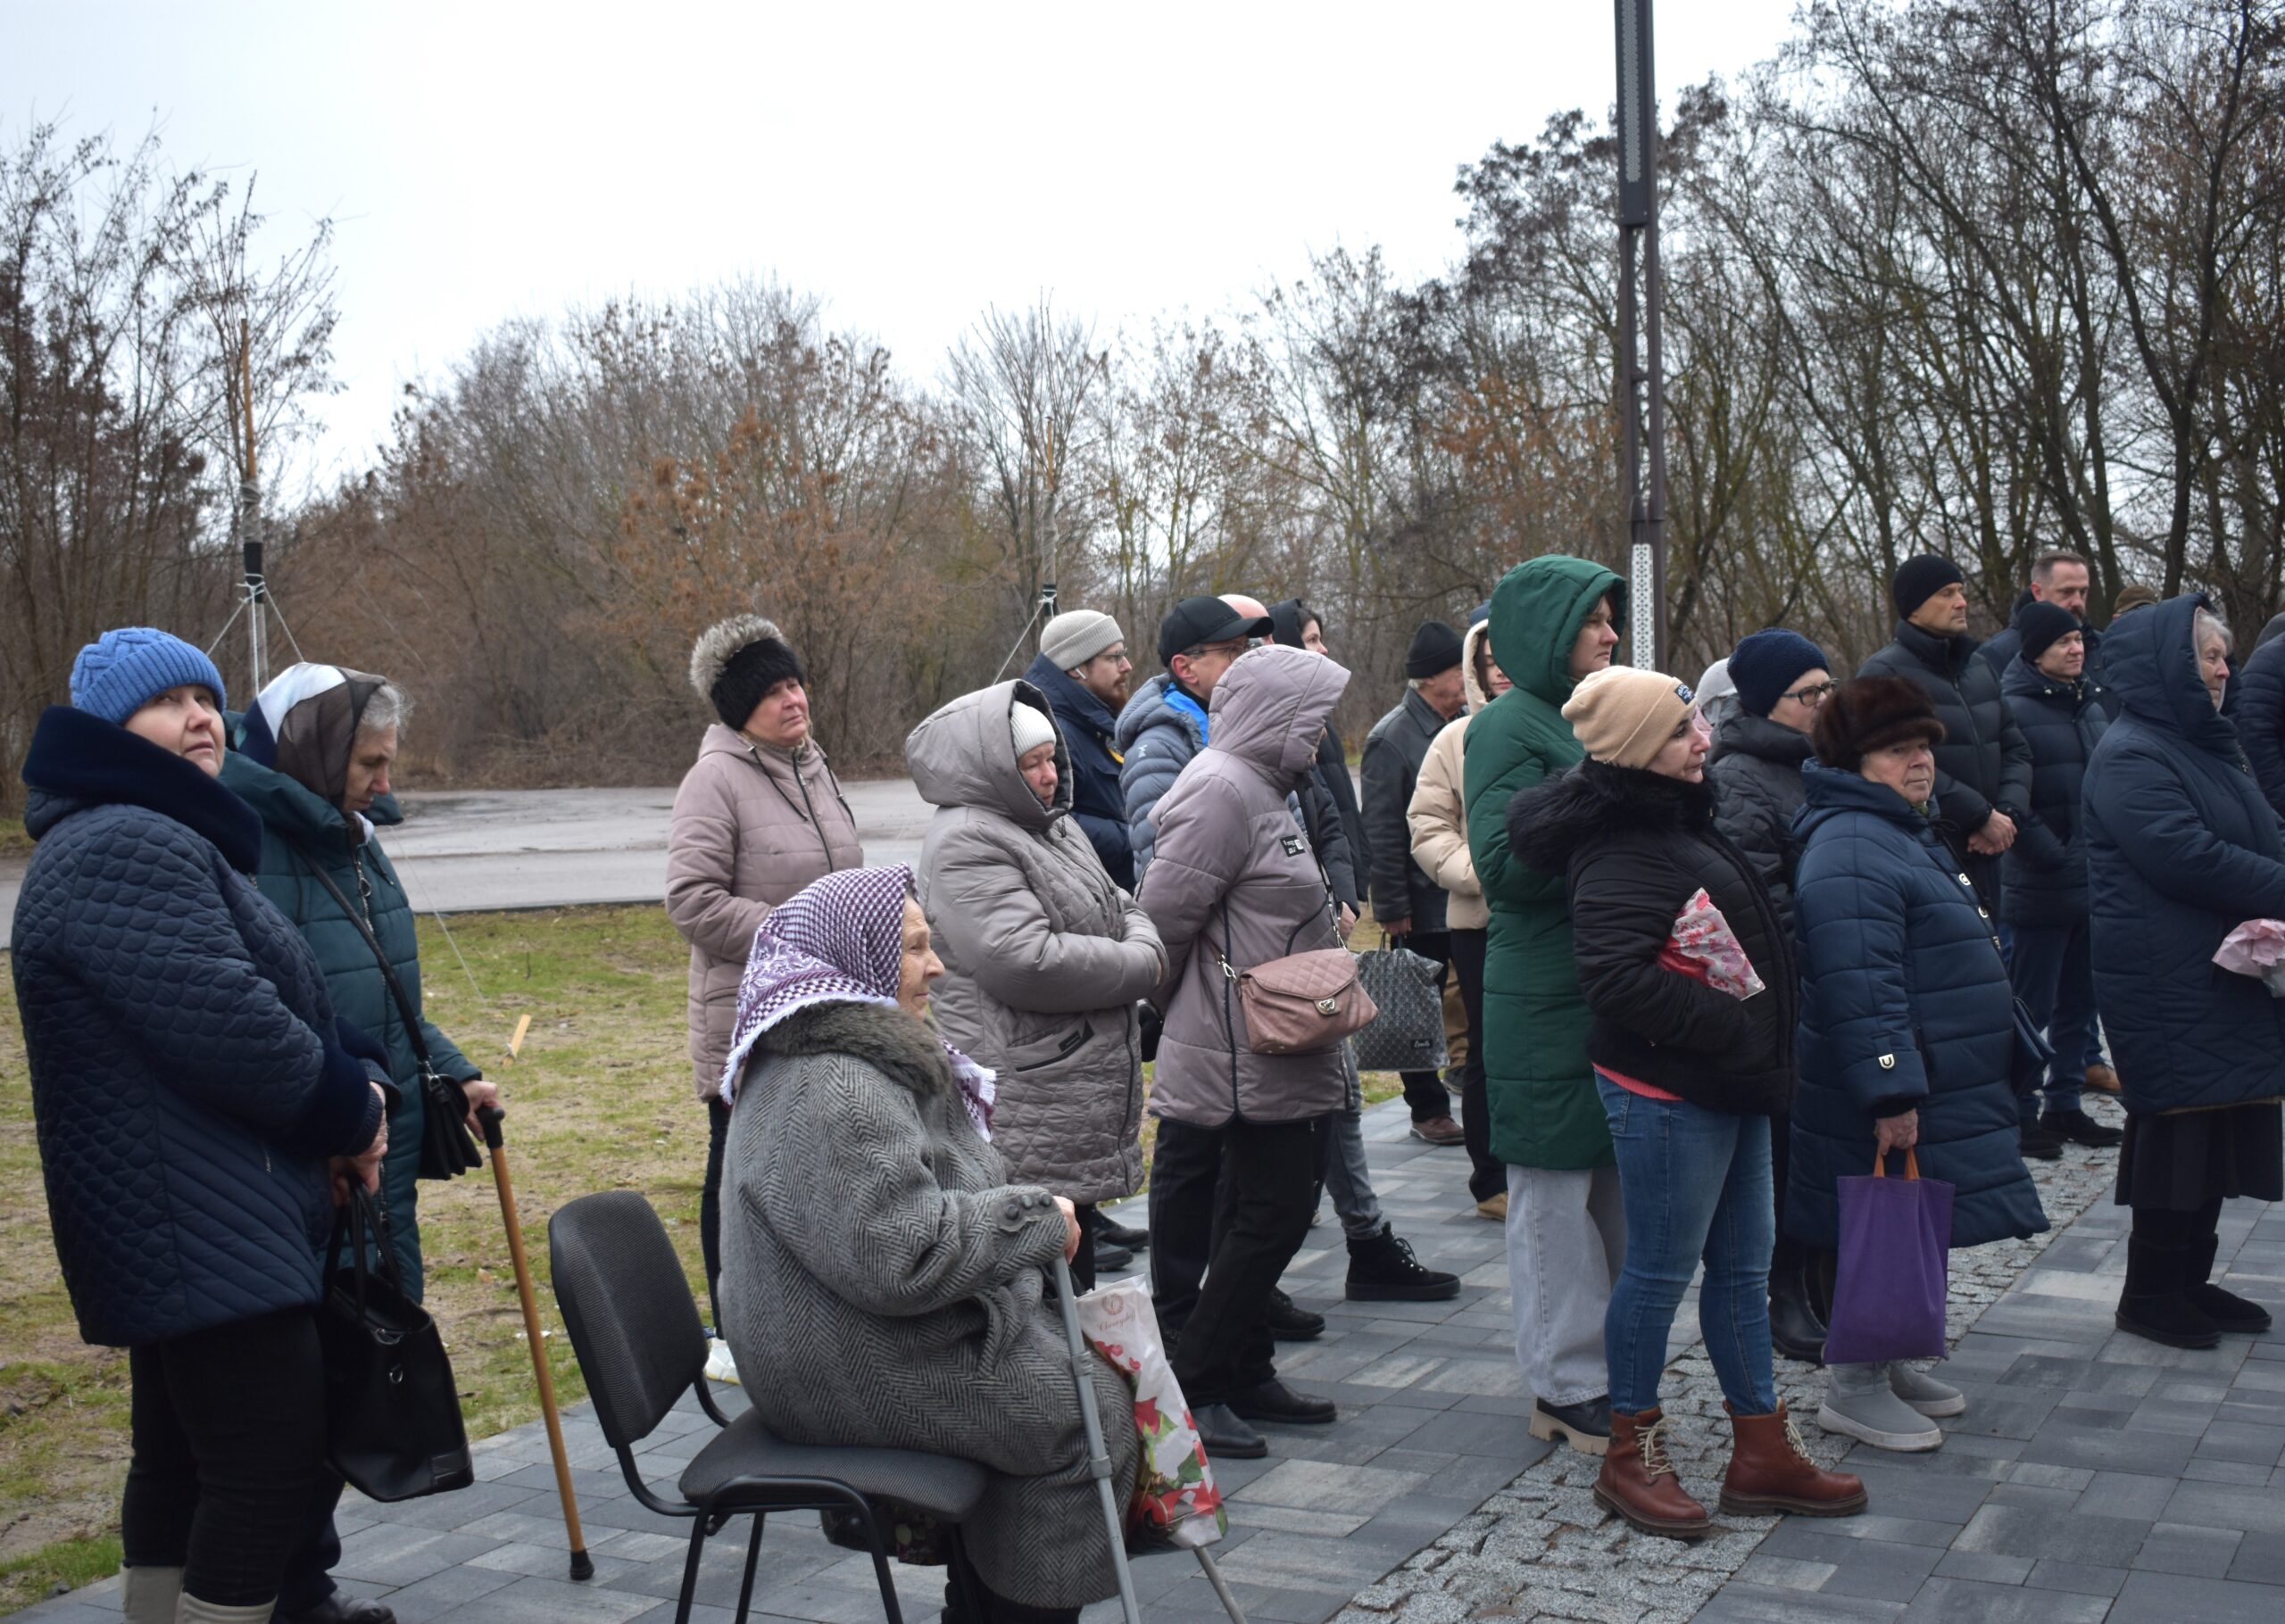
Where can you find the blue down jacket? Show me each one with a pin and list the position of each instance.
(2045, 868)
(2257, 708)
(188, 1077)
(1091, 739)
(2181, 849)
(1905, 1006)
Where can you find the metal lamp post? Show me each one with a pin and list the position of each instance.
(1642, 378)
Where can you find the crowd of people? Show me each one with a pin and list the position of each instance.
(1938, 887)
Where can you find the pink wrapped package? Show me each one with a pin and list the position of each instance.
(2257, 948)
(1173, 1497)
(1702, 946)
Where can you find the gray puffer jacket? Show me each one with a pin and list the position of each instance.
(1044, 957)
(1234, 878)
(882, 1285)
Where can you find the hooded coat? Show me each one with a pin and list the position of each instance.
(1905, 1006)
(1983, 765)
(752, 826)
(1044, 958)
(1437, 817)
(188, 1076)
(2257, 708)
(2045, 868)
(2181, 849)
(1755, 767)
(1636, 847)
(1545, 1112)
(1394, 751)
(300, 832)
(1090, 736)
(1235, 880)
(884, 1283)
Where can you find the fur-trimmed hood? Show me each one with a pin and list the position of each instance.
(1548, 822)
(719, 643)
(890, 1041)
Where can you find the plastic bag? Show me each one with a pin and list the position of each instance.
(2257, 948)
(1702, 946)
(1174, 1498)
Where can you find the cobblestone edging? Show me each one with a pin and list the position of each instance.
(1541, 1548)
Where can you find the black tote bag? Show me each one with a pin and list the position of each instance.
(392, 1414)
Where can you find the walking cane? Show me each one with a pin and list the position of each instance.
(1099, 1467)
(583, 1566)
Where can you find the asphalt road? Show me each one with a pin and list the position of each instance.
(464, 851)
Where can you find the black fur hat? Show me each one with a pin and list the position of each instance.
(736, 662)
(1869, 714)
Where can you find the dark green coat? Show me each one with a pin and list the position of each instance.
(295, 820)
(1545, 1112)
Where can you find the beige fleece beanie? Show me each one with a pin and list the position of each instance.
(1624, 717)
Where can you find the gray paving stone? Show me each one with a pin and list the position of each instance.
(1960, 1601)
(403, 1552)
(550, 1600)
(1742, 1604)
(1985, 1568)
(2177, 1548)
(2062, 1536)
(2153, 1598)
(441, 1594)
(2076, 1579)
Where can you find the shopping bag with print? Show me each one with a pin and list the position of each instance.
(1175, 1499)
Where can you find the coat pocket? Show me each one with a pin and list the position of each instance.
(1050, 1051)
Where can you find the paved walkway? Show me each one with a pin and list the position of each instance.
(2095, 1478)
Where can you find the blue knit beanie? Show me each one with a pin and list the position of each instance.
(116, 674)
(1765, 665)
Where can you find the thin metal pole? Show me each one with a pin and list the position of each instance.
(1097, 1457)
(1654, 518)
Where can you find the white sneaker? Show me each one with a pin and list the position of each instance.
(1859, 1405)
(1924, 1393)
(721, 1365)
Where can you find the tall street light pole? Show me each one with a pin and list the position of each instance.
(1642, 378)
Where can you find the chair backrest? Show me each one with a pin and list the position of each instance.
(628, 1309)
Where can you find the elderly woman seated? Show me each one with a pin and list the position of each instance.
(883, 1282)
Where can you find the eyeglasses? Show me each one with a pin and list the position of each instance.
(1816, 693)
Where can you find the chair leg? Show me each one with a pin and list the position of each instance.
(689, 1569)
(961, 1579)
(864, 1511)
(753, 1556)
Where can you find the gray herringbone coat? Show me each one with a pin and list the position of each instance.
(882, 1284)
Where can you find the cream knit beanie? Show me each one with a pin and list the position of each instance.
(1624, 717)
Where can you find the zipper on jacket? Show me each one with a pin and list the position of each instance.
(365, 906)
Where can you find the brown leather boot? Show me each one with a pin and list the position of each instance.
(1770, 1472)
(1638, 1482)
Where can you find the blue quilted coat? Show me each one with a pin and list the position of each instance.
(2257, 708)
(1905, 1006)
(188, 1077)
(299, 828)
(2181, 849)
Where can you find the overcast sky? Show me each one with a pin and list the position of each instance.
(909, 164)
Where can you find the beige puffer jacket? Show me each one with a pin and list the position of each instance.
(751, 826)
(1438, 814)
(1044, 957)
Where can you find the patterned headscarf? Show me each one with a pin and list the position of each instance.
(840, 940)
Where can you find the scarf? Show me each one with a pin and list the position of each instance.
(841, 940)
(304, 725)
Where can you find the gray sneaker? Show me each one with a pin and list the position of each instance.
(1925, 1394)
(1859, 1405)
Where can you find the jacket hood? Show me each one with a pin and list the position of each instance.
(294, 810)
(1285, 622)
(1552, 819)
(1470, 641)
(77, 760)
(1147, 708)
(2148, 664)
(1270, 705)
(1740, 734)
(1536, 614)
(1832, 792)
(964, 756)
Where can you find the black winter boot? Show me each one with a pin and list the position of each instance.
(1795, 1331)
(1382, 1269)
(2227, 1310)
(2155, 1303)
(1289, 1321)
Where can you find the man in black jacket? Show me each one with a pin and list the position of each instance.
(1406, 904)
(1984, 768)
(1082, 668)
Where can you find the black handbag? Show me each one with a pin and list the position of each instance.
(392, 1414)
(447, 1149)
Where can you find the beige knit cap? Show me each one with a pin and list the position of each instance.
(1624, 717)
(1077, 636)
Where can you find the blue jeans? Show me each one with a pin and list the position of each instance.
(1696, 1185)
(2054, 975)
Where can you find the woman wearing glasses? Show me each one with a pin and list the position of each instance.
(1780, 679)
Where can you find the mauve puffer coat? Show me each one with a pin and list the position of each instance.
(1044, 957)
(751, 826)
(1234, 877)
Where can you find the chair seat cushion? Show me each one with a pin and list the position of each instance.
(933, 1483)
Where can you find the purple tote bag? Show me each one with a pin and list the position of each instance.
(1887, 1293)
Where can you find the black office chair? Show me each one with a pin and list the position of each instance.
(636, 1330)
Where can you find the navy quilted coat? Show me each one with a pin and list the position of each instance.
(2045, 868)
(1091, 739)
(299, 827)
(189, 1079)
(1905, 1006)
(2181, 849)
(2257, 707)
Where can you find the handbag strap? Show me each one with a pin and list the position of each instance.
(1911, 1165)
(356, 916)
(362, 1223)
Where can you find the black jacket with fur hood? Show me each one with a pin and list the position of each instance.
(1637, 847)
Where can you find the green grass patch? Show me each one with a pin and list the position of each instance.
(65, 1565)
(14, 840)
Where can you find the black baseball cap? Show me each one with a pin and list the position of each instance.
(1195, 622)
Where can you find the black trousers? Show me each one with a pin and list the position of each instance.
(1082, 1265)
(1271, 1169)
(1188, 1201)
(710, 1207)
(1424, 1091)
(1487, 1177)
(228, 1429)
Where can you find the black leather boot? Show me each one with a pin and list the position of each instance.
(1795, 1331)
